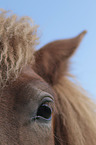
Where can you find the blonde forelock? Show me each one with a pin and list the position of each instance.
(18, 38)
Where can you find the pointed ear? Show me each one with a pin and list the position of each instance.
(51, 61)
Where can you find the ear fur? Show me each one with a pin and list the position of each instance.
(51, 61)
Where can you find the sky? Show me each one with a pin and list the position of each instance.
(60, 19)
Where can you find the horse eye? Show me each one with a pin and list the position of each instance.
(44, 112)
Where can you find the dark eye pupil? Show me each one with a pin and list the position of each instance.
(44, 111)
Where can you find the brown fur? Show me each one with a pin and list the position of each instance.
(74, 115)
(77, 115)
(55, 55)
(75, 120)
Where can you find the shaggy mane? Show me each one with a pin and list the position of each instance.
(17, 41)
(76, 117)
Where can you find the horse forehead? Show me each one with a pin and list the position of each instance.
(28, 71)
(7, 94)
(29, 76)
(28, 82)
(27, 86)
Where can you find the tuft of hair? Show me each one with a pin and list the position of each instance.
(76, 115)
(18, 38)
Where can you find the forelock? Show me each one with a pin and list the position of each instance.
(18, 38)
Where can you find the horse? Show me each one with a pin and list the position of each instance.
(40, 103)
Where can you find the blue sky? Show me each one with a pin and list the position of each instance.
(64, 19)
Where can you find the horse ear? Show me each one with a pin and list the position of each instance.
(51, 61)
